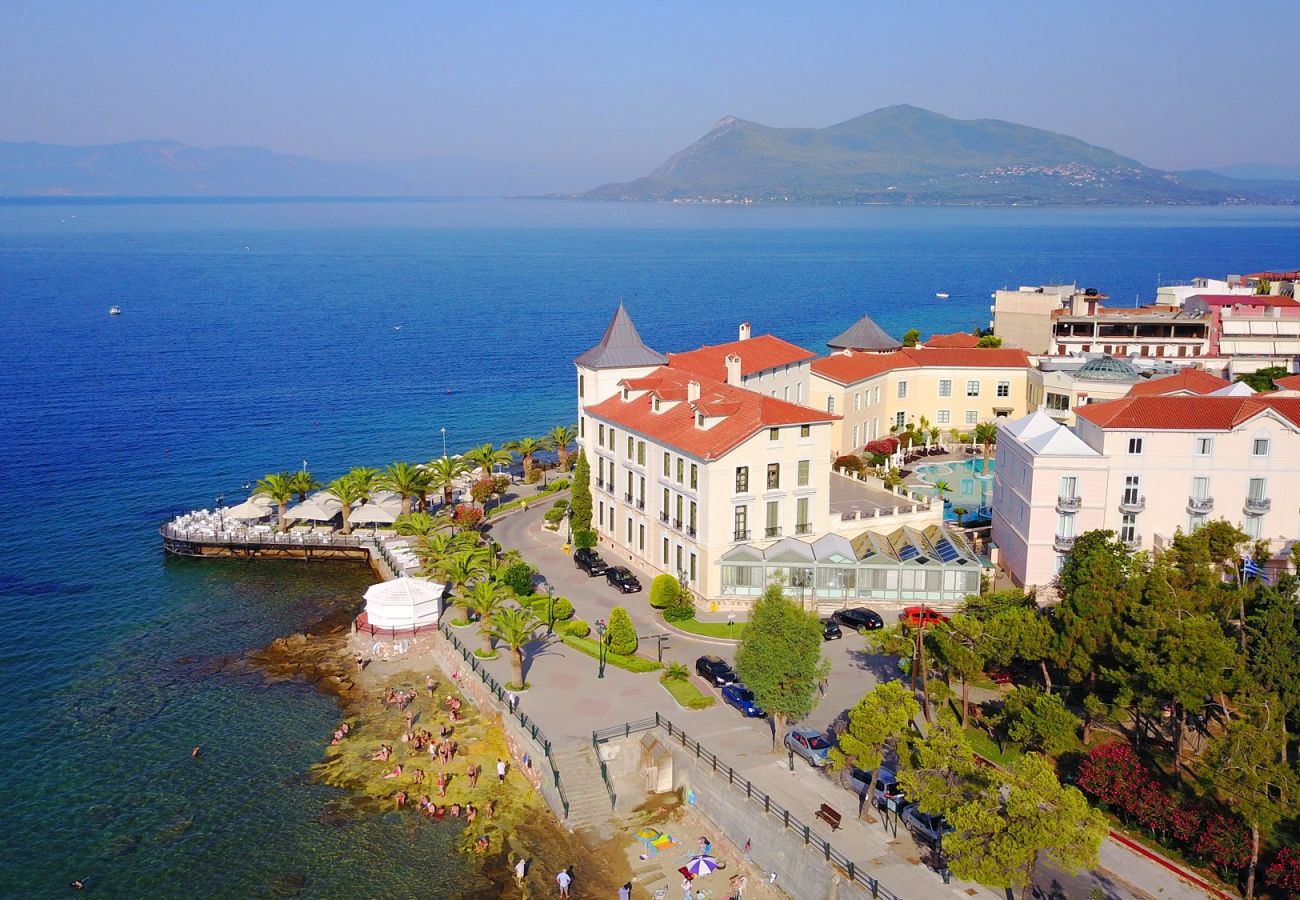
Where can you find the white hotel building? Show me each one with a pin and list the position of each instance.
(707, 465)
(1145, 467)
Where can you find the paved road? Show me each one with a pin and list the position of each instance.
(569, 703)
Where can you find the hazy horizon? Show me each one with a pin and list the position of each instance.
(552, 98)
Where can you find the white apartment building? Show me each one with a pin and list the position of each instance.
(703, 470)
(1145, 467)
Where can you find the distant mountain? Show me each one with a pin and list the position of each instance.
(170, 169)
(902, 154)
(1260, 171)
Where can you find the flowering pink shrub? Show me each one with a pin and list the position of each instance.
(466, 516)
(1284, 873)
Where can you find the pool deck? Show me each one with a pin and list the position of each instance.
(851, 498)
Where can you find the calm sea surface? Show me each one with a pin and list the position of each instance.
(258, 335)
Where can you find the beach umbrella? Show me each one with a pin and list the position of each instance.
(404, 603)
(701, 865)
(320, 507)
(372, 514)
(255, 507)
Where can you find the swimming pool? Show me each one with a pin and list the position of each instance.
(969, 484)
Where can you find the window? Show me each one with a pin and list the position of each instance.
(1201, 487)
(804, 466)
(802, 525)
(600, 514)
(773, 528)
(785, 393)
(631, 446)
(774, 434)
(664, 508)
(1251, 525)
(691, 521)
(665, 551)
(902, 390)
(1132, 489)
(1195, 522)
(695, 476)
(601, 441)
(640, 453)
(640, 538)
(1058, 402)
(805, 431)
(1004, 389)
(1134, 446)
(1065, 525)
(626, 393)
(945, 387)
(830, 404)
(857, 430)
(1255, 489)
(773, 476)
(668, 463)
(641, 492)
(742, 523)
(629, 529)
(692, 567)
(972, 416)
(582, 426)
(699, 420)
(899, 419)
(1260, 447)
(742, 479)
(582, 385)
(612, 436)
(1128, 527)
(677, 519)
(857, 401)
(1069, 486)
(943, 417)
(681, 469)
(656, 404)
(679, 558)
(972, 389)
(1204, 446)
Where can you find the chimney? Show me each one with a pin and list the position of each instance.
(733, 370)
(692, 391)
(744, 331)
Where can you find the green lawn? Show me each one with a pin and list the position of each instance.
(686, 694)
(592, 649)
(712, 629)
(986, 747)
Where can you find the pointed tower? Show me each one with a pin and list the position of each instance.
(865, 336)
(620, 354)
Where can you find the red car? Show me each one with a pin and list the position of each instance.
(1000, 678)
(916, 616)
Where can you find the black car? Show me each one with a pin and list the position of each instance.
(589, 561)
(858, 618)
(831, 631)
(716, 670)
(623, 579)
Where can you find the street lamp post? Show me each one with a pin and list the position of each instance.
(550, 608)
(221, 512)
(568, 519)
(444, 441)
(600, 648)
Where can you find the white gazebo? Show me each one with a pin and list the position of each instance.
(404, 604)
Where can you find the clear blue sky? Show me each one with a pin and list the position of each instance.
(610, 89)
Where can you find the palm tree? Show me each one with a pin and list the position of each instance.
(487, 598)
(488, 457)
(406, 481)
(367, 479)
(434, 547)
(986, 433)
(304, 483)
(559, 439)
(526, 447)
(443, 473)
(279, 487)
(516, 627)
(463, 566)
(349, 492)
(941, 487)
(420, 524)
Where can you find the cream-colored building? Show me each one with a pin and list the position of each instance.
(1060, 386)
(952, 388)
(1023, 318)
(702, 469)
(1145, 467)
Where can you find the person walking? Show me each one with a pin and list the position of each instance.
(429, 683)
(501, 771)
(521, 869)
(625, 892)
(564, 879)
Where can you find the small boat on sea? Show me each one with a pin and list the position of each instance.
(115, 310)
(942, 296)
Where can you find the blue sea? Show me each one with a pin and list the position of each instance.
(257, 335)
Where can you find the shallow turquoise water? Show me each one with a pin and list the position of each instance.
(257, 335)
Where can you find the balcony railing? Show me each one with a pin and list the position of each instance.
(677, 523)
(1200, 504)
(772, 531)
(640, 504)
(803, 528)
(663, 517)
(690, 531)
(600, 483)
(741, 535)
(1063, 543)
(1132, 544)
(627, 498)
(1132, 504)
(1068, 504)
(1256, 505)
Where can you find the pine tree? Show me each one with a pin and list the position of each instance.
(580, 499)
(883, 716)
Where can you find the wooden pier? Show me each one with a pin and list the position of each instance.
(247, 543)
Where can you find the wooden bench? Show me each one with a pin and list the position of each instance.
(829, 816)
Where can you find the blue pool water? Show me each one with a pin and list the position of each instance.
(970, 484)
(257, 335)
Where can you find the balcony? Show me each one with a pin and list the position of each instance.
(803, 528)
(677, 523)
(1068, 504)
(640, 504)
(1062, 543)
(663, 517)
(741, 535)
(1200, 504)
(772, 531)
(1256, 506)
(690, 531)
(627, 498)
(1132, 545)
(600, 484)
(1133, 503)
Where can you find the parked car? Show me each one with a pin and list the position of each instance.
(922, 615)
(622, 578)
(809, 743)
(858, 781)
(999, 677)
(742, 698)
(929, 828)
(858, 618)
(831, 631)
(589, 561)
(889, 793)
(716, 671)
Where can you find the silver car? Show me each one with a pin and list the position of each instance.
(809, 743)
(929, 828)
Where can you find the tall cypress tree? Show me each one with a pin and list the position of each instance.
(580, 499)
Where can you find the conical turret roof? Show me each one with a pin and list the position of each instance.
(864, 334)
(620, 347)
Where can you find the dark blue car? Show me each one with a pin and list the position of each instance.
(742, 698)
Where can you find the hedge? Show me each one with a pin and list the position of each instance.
(631, 663)
(663, 590)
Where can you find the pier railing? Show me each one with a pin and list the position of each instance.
(738, 782)
(476, 666)
(247, 536)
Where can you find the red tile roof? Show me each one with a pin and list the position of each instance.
(1246, 300)
(1293, 275)
(1289, 383)
(756, 354)
(849, 368)
(958, 339)
(1189, 380)
(1185, 413)
(743, 413)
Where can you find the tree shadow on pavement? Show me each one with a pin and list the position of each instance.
(546, 645)
(885, 668)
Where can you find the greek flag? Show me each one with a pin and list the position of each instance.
(1252, 569)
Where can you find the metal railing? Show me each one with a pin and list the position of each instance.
(1133, 503)
(772, 531)
(770, 807)
(476, 666)
(246, 537)
(741, 535)
(1258, 504)
(1063, 542)
(1069, 504)
(1200, 504)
